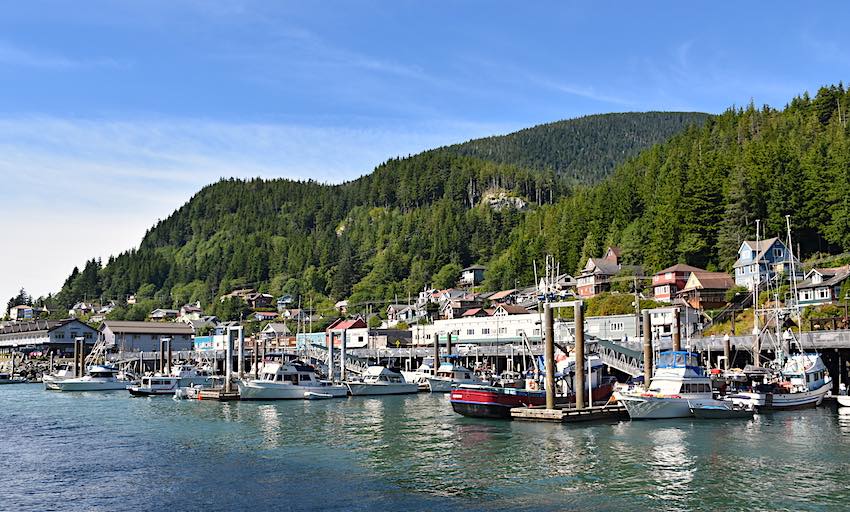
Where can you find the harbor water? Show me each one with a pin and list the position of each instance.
(107, 451)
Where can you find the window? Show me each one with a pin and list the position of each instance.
(503, 330)
(617, 326)
(485, 331)
(777, 252)
(537, 332)
(823, 293)
(470, 332)
(806, 295)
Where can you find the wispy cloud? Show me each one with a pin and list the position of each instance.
(12, 55)
(75, 189)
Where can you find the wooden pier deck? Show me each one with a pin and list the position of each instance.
(218, 394)
(564, 414)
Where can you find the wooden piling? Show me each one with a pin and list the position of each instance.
(228, 362)
(647, 348)
(727, 352)
(168, 361)
(240, 364)
(579, 353)
(82, 357)
(331, 357)
(436, 354)
(342, 347)
(549, 355)
(677, 330)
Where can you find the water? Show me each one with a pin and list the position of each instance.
(107, 451)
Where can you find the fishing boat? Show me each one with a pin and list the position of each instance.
(155, 385)
(802, 382)
(7, 378)
(482, 401)
(720, 410)
(63, 372)
(380, 380)
(677, 383)
(449, 375)
(98, 378)
(288, 381)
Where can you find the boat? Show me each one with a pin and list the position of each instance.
(421, 374)
(312, 395)
(720, 410)
(289, 381)
(449, 375)
(189, 375)
(98, 378)
(6, 378)
(482, 401)
(63, 372)
(677, 383)
(843, 400)
(802, 382)
(155, 385)
(380, 380)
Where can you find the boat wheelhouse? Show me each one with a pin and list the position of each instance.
(379, 380)
(153, 385)
(449, 375)
(678, 382)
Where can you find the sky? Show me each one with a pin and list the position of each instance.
(113, 114)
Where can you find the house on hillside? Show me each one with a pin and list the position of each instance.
(822, 286)
(163, 315)
(284, 301)
(275, 335)
(509, 309)
(504, 296)
(296, 315)
(261, 316)
(191, 312)
(241, 293)
(596, 275)
(670, 281)
(25, 313)
(259, 300)
(354, 331)
(80, 309)
(472, 275)
(706, 290)
(762, 261)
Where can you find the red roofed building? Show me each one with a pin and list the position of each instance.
(353, 330)
(670, 281)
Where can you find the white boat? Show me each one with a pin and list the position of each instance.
(63, 372)
(189, 375)
(677, 384)
(379, 380)
(98, 378)
(802, 382)
(450, 374)
(153, 385)
(288, 381)
(6, 378)
(720, 410)
(421, 374)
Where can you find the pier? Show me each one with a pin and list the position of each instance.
(565, 414)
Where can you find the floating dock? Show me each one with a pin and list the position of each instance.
(218, 394)
(564, 414)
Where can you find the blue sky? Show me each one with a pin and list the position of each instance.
(112, 114)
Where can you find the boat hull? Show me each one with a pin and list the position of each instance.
(363, 389)
(137, 391)
(652, 408)
(721, 413)
(259, 390)
(782, 401)
(495, 402)
(843, 400)
(72, 385)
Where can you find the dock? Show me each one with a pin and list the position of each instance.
(218, 394)
(565, 414)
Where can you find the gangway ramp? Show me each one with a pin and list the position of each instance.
(622, 358)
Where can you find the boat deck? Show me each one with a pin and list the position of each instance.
(218, 394)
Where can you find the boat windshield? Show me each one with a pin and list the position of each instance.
(678, 359)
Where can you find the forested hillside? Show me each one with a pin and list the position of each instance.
(586, 149)
(416, 221)
(695, 198)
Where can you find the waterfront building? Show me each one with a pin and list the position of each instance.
(126, 336)
(596, 275)
(354, 331)
(762, 261)
(670, 281)
(44, 335)
(822, 286)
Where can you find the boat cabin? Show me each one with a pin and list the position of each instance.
(453, 371)
(382, 375)
(153, 381)
(805, 372)
(680, 373)
(291, 373)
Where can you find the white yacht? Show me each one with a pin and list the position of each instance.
(380, 380)
(189, 375)
(450, 374)
(63, 372)
(98, 378)
(802, 382)
(290, 381)
(421, 374)
(153, 385)
(677, 385)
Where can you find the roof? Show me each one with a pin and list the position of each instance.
(475, 267)
(474, 312)
(502, 294)
(831, 277)
(512, 309)
(710, 281)
(38, 325)
(761, 248)
(355, 323)
(277, 328)
(603, 266)
(127, 327)
(398, 307)
(267, 314)
(614, 249)
(680, 267)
